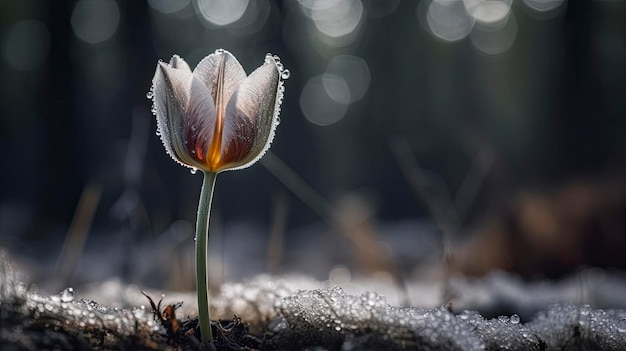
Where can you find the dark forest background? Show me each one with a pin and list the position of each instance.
(382, 114)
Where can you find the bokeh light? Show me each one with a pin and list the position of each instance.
(449, 20)
(544, 5)
(354, 71)
(253, 19)
(332, 23)
(168, 6)
(26, 45)
(493, 41)
(337, 18)
(489, 12)
(95, 21)
(221, 12)
(324, 99)
(336, 88)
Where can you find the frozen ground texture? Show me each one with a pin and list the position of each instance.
(30, 321)
(317, 318)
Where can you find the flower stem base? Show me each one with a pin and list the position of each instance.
(202, 240)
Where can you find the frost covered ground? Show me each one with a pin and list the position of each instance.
(295, 313)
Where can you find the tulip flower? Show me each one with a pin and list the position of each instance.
(215, 118)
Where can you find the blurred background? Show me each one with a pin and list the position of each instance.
(472, 135)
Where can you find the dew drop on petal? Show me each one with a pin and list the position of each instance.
(193, 171)
(285, 74)
(149, 95)
(514, 319)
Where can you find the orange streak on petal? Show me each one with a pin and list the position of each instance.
(214, 153)
(199, 153)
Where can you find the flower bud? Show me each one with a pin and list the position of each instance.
(217, 118)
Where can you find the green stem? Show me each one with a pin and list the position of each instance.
(202, 240)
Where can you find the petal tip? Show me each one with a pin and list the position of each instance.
(274, 59)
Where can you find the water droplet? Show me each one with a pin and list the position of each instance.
(193, 171)
(149, 95)
(338, 328)
(67, 295)
(219, 51)
(285, 74)
(514, 319)
(280, 66)
(276, 58)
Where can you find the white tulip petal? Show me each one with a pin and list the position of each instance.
(254, 102)
(184, 111)
(207, 71)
